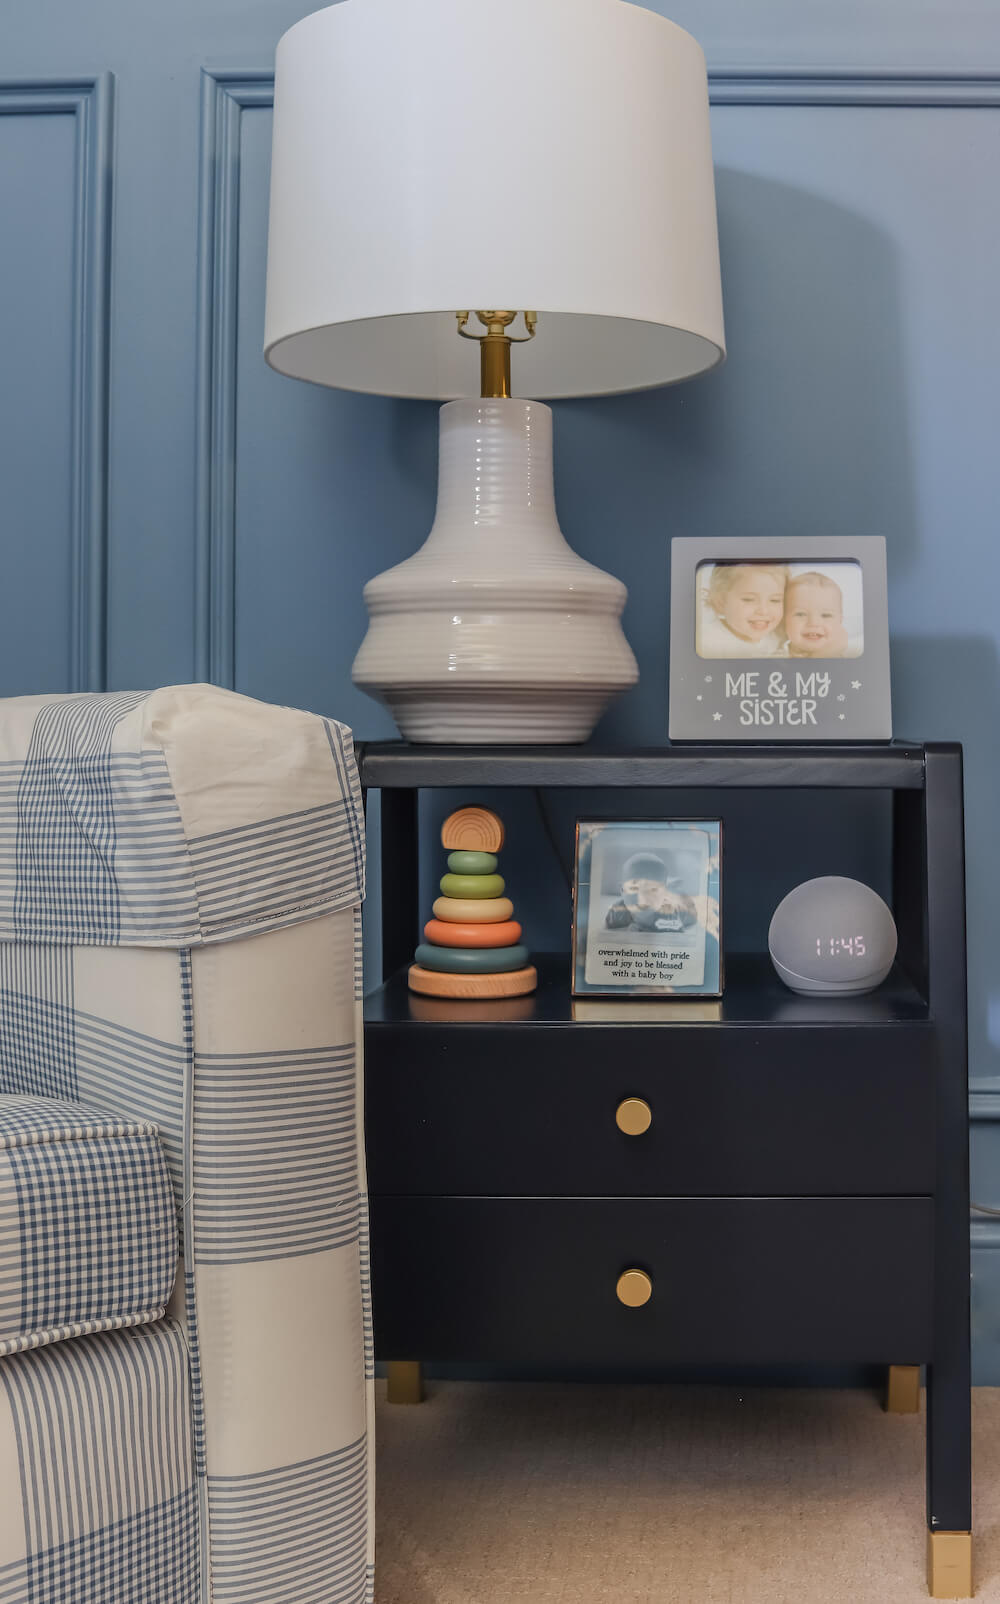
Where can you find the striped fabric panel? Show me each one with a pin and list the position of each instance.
(298, 1533)
(26, 1120)
(37, 1045)
(187, 1229)
(91, 843)
(95, 1223)
(342, 752)
(359, 970)
(98, 1234)
(63, 821)
(276, 872)
(103, 1436)
(78, 1328)
(148, 1558)
(14, 1583)
(275, 1154)
(194, 1363)
(364, 1253)
(123, 1067)
(11, 1285)
(53, 1049)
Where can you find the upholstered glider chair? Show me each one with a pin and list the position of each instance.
(185, 1356)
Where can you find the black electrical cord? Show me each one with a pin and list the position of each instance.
(550, 834)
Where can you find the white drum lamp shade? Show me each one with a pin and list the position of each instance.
(431, 156)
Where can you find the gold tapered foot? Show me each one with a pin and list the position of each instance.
(949, 1564)
(405, 1384)
(902, 1394)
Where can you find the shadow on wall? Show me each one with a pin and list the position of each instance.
(802, 432)
(948, 688)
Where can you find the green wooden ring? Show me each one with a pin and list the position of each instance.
(472, 886)
(471, 961)
(472, 862)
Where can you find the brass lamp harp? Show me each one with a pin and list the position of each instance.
(494, 346)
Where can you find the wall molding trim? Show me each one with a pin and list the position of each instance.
(800, 86)
(90, 101)
(225, 96)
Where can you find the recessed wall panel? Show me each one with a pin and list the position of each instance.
(37, 339)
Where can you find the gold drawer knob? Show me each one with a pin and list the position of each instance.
(634, 1288)
(633, 1116)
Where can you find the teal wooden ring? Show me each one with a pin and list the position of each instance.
(472, 886)
(472, 960)
(472, 862)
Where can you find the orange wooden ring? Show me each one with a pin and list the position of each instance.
(445, 933)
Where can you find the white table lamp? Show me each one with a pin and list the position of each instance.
(433, 162)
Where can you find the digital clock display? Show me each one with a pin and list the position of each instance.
(840, 946)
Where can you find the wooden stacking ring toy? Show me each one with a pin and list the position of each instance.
(472, 830)
(472, 863)
(472, 947)
(472, 886)
(469, 961)
(446, 933)
(429, 983)
(467, 911)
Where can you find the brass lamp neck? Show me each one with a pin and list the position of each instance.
(494, 364)
(494, 347)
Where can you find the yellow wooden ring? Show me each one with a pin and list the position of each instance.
(472, 910)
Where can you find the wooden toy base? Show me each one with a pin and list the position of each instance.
(433, 983)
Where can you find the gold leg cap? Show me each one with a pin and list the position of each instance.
(405, 1383)
(902, 1395)
(949, 1564)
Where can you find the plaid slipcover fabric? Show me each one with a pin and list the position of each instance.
(88, 1237)
(181, 874)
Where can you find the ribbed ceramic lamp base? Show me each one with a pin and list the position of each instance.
(495, 631)
(497, 718)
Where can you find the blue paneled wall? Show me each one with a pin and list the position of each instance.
(172, 509)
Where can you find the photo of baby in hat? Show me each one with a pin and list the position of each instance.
(649, 899)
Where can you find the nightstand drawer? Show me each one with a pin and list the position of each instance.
(802, 1110)
(734, 1280)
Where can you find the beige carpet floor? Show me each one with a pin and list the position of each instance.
(523, 1493)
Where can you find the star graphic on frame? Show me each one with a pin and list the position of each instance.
(841, 697)
(708, 679)
(717, 717)
(841, 715)
(855, 685)
(698, 698)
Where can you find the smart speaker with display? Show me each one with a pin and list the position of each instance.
(832, 935)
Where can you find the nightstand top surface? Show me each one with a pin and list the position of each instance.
(887, 765)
